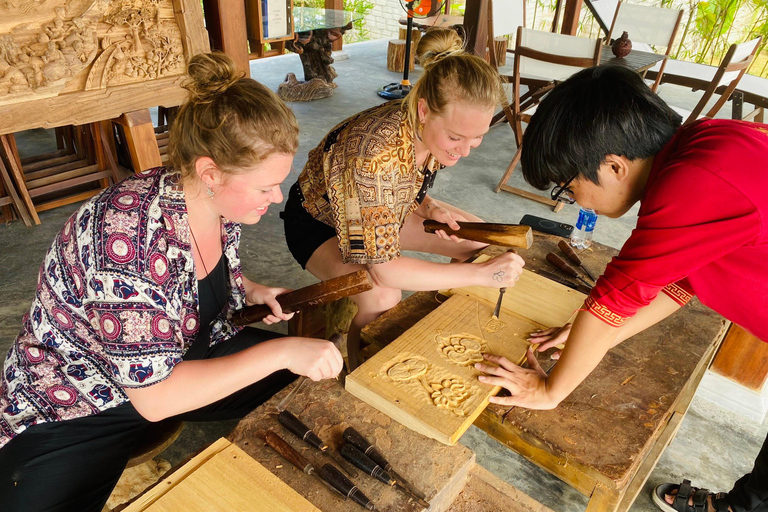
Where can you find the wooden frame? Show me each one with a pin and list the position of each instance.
(256, 38)
(78, 65)
(726, 66)
(524, 103)
(660, 71)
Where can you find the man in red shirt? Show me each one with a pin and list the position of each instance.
(608, 142)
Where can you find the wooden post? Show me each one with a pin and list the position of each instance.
(140, 136)
(396, 56)
(225, 21)
(337, 45)
(476, 26)
(571, 17)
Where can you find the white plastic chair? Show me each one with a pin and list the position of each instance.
(649, 28)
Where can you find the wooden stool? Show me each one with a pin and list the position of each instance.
(500, 44)
(396, 55)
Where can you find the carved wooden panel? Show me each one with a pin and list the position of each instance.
(77, 61)
(426, 379)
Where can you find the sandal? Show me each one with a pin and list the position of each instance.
(684, 493)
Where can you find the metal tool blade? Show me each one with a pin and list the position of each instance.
(497, 309)
(285, 401)
(410, 493)
(405, 483)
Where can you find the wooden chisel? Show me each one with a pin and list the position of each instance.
(568, 251)
(506, 235)
(565, 268)
(313, 295)
(306, 434)
(362, 461)
(329, 475)
(356, 439)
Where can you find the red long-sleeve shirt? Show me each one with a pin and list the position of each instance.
(702, 229)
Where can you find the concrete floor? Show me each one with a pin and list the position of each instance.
(713, 447)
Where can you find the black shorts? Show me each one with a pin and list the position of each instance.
(303, 233)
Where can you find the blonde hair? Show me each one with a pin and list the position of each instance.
(451, 74)
(235, 121)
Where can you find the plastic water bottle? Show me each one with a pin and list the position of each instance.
(581, 236)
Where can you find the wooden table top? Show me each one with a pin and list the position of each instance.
(638, 60)
(612, 420)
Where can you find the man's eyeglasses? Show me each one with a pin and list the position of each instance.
(563, 193)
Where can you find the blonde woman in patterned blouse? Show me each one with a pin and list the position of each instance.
(129, 323)
(362, 196)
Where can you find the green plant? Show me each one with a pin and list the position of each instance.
(361, 8)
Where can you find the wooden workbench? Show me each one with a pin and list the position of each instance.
(607, 436)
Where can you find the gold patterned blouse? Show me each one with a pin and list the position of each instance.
(362, 180)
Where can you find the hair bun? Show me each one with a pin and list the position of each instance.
(210, 74)
(437, 44)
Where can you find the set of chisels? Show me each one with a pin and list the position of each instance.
(356, 451)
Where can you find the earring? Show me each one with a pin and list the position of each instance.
(210, 192)
(420, 129)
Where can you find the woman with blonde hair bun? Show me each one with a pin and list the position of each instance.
(130, 325)
(362, 196)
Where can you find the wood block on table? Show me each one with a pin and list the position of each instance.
(439, 471)
(221, 478)
(426, 378)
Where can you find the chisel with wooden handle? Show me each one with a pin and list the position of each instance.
(568, 250)
(313, 295)
(507, 235)
(306, 434)
(356, 439)
(362, 461)
(565, 268)
(329, 475)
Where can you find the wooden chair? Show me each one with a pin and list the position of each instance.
(541, 60)
(504, 18)
(649, 28)
(10, 201)
(43, 184)
(726, 77)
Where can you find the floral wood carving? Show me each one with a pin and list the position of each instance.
(461, 349)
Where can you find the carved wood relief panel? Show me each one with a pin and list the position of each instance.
(76, 61)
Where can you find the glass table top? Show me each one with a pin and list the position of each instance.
(310, 18)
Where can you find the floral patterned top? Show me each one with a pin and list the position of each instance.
(116, 305)
(362, 180)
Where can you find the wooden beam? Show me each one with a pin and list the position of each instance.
(571, 17)
(476, 26)
(225, 21)
(338, 44)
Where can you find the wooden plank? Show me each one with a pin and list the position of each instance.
(226, 24)
(74, 198)
(141, 141)
(426, 379)
(571, 17)
(37, 165)
(743, 358)
(534, 297)
(222, 478)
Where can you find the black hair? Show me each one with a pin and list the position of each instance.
(600, 111)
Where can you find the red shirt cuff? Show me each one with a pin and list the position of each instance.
(603, 313)
(678, 292)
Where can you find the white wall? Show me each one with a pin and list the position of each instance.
(382, 22)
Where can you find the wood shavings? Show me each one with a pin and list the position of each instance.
(628, 380)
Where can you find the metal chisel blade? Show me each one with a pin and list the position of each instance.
(497, 309)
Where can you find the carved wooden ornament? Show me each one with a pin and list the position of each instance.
(426, 378)
(78, 61)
